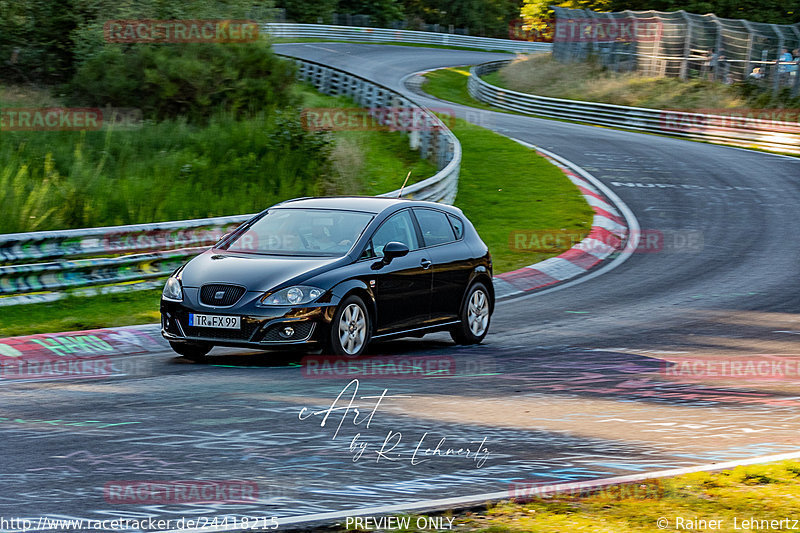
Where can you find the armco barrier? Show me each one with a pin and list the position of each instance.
(39, 266)
(385, 35)
(779, 136)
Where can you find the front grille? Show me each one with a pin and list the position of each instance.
(242, 334)
(219, 295)
(301, 331)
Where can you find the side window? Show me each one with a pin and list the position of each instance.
(397, 228)
(458, 225)
(435, 227)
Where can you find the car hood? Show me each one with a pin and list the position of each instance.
(255, 272)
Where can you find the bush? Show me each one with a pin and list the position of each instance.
(191, 80)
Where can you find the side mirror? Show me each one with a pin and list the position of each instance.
(391, 251)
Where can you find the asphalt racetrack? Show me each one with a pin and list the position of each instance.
(571, 384)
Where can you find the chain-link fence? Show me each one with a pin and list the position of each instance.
(682, 45)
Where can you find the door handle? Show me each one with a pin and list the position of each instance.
(425, 263)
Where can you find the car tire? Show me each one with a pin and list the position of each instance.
(196, 351)
(474, 316)
(350, 328)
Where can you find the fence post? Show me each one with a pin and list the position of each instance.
(687, 45)
(776, 82)
(748, 61)
(796, 85)
(717, 47)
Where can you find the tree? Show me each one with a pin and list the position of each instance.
(306, 12)
(381, 12)
(537, 13)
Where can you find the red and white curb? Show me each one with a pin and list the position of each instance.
(77, 354)
(611, 233)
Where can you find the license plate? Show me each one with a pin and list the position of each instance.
(214, 321)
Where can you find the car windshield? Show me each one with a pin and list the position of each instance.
(305, 232)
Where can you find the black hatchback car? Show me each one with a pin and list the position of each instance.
(333, 272)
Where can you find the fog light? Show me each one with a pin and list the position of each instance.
(287, 332)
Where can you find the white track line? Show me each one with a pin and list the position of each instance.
(477, 499)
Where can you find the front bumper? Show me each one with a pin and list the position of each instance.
(260, 327)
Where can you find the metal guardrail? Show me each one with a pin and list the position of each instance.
(384, 35)
(39, 266)
(754, 132)
(429, 134)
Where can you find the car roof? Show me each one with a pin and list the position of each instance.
(369, 204)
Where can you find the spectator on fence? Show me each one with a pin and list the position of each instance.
(785, 64)
(714, 60)
(757, 74)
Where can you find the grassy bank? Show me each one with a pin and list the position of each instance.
(764, 492)
(451, 84)
(543, 76)
(504, 187)
(77, 313)
(732, 498)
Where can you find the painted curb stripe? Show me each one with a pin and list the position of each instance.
(603, 213)
(606, 236)
(524, 278)
(580, 258)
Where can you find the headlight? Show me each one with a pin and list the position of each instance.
(172, 290)
(292, 296)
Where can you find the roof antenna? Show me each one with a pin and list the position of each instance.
(404, 185)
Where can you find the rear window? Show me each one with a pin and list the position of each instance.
(435, 227)
(458, 225)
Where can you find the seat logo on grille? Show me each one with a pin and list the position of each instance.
(219, 295)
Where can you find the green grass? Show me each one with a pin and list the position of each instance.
(763, 492)
(77, 313)
(451, 84)
(173, 170)
(504, 186)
